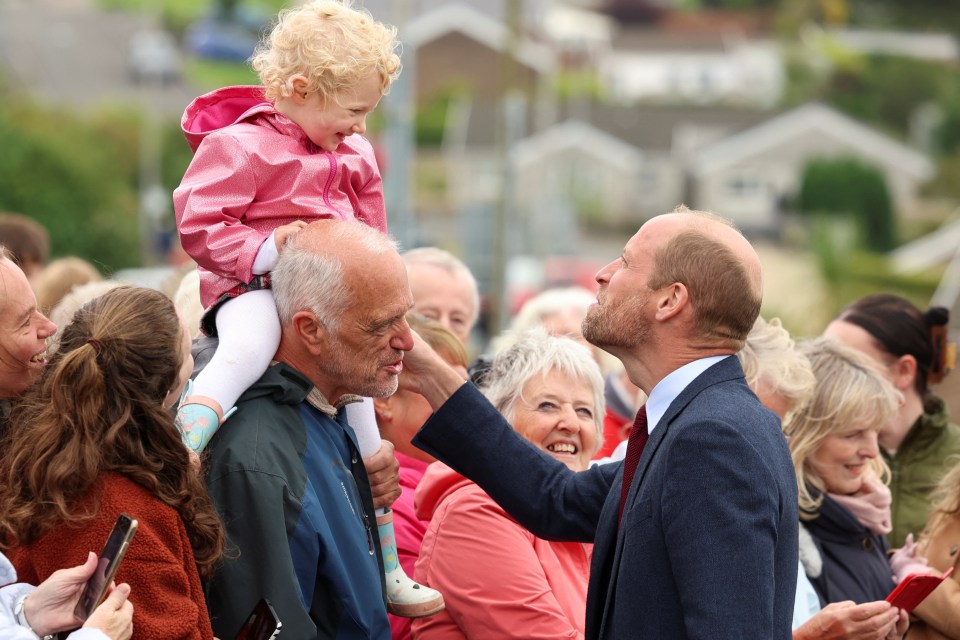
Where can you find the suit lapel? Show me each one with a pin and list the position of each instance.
(608, 545)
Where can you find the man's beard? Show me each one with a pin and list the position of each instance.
(611, 328)
(361, 382)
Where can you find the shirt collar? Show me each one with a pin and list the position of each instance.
(670, 387)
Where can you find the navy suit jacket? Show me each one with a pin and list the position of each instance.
(708, 543)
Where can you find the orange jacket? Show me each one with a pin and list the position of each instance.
(168, 602)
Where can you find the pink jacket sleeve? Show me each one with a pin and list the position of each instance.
(492, 581)
(215, 192)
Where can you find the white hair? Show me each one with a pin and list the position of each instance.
(535, 353)
(307, 280)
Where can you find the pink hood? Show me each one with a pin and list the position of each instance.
(438, 482)
(221, 108)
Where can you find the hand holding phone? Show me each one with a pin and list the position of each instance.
(913, 589)
(263, 623)
(107, 564)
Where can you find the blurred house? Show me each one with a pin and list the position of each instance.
(457, 47)
(755, 171)
(702, 67)
(615, 167)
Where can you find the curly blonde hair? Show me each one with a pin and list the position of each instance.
(331, 45)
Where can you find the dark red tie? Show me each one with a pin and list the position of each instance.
(635, 444)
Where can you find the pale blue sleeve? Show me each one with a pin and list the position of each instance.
(806, 604)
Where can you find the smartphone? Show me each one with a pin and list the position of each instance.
(263, 623)
(107, 565)
(914, 588)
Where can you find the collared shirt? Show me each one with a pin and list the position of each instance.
(671, 386)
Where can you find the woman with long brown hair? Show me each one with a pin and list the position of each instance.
(95, 438)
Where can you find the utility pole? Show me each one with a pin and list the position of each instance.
(154, 201)
(399, 107)
(507, 130)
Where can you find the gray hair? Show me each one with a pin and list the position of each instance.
(442, 259)
(305, 279)
(534, 353)
(537, 309)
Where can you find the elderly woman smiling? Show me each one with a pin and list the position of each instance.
(497, 578)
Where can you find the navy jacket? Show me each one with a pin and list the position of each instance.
(708, 543)
(855, 565)
(294, 497)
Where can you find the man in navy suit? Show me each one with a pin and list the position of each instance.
(706, 546)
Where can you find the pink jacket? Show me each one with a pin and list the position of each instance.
(408, 529)
(255, 170)
(497, 579)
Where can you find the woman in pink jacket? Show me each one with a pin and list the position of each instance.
(498, 579)
(399, 417)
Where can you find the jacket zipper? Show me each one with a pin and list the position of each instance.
(366, 518)
(332, 161)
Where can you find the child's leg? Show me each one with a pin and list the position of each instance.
(249, 332)
(404, 596)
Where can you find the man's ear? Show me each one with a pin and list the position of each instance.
(311, 332)
(671, 300)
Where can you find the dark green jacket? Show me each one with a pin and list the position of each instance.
(917, 467)
(286, 476)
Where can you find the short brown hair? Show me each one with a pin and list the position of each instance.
(724, 302)
(25, 239)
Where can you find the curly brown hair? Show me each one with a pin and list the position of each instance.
(98, 408)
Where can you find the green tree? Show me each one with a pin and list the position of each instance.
(852, 188)
(60, 171)
(886, 90)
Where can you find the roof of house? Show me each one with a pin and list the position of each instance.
(811, 119)
(928, 46)
(458, 17)
(580, 137)
(935, 248)
(646, 127)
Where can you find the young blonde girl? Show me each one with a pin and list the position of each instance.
(268, 160)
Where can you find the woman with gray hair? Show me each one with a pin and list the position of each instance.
(498, 579)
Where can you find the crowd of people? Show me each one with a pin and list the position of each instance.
(302, 418)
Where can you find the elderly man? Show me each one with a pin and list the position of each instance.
(696, 532)
(285, 471)
(23, 334)
(443, 289)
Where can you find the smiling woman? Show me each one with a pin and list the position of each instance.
(499, 580)
(844, 504)
(23, 331)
